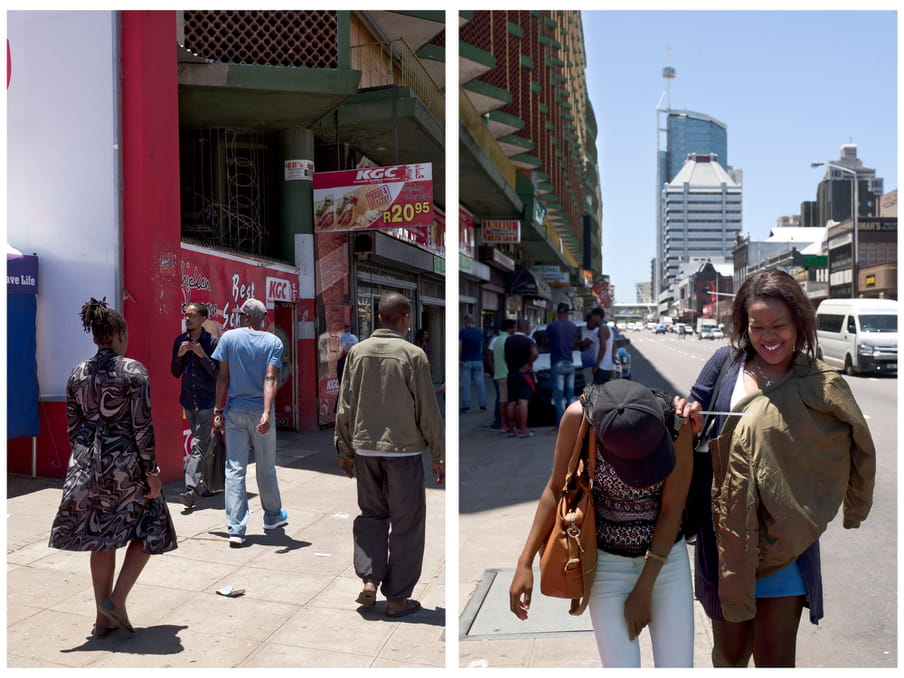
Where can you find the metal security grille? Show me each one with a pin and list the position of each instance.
(226, 188)
(264, 38)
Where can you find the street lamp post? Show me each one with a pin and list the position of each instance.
(855, 208)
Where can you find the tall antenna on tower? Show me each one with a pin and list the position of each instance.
(669, 74)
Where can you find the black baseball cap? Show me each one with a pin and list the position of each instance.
(630, 425)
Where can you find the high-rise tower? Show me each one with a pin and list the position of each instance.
(681, 134)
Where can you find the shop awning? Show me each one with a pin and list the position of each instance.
(525, 282)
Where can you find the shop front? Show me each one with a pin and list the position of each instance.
(377, 231)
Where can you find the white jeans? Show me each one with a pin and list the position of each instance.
(671, 617)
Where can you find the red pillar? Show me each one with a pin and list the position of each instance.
(151, 218)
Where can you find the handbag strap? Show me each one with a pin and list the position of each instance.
(577, 452)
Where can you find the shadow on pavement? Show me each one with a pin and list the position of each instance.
(153, 640)
(277, 537)
(424, 616)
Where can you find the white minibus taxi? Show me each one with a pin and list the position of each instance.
(858, 335)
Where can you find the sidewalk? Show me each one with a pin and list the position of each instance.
(501, 481)
(299, 608)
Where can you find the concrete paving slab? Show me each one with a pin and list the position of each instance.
(275, 585)
(22, 583)
(243, 617)
(61, 638)
(277, 656)
(299, 610)
(328, 629)
(493, 616)
(174, 646)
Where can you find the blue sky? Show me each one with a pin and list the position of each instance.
(791, 86)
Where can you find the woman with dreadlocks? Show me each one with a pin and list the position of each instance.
(112, 496)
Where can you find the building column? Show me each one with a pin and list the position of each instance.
(151, 228)
(297, 236)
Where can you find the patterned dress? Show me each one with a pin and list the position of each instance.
(108, 407)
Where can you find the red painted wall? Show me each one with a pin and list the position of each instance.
(151, 218)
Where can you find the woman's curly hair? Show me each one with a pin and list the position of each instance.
(102, 321)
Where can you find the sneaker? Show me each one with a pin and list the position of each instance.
(279, 522)
(236, 540)
(187, 498)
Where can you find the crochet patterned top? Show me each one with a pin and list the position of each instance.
(625, 515)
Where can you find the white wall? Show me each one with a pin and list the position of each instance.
(63, 173)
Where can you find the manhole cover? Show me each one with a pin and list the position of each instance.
(487, 614)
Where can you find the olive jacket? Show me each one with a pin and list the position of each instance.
(781, 473)
(387, 402)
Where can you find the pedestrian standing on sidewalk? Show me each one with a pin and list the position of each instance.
(192, 351)
(605, 361)
(112, 496)
(520, 353)
(388, 417)
(500, 376)
(781, 473)
(642, 473)
(470, 352)
(249, 358)
(590, 345)
(560, 336)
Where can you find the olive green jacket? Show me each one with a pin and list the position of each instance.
(387, 402)
(781, 473)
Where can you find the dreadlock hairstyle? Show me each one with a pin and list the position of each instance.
(101, 321)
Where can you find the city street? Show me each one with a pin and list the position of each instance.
(502, 478)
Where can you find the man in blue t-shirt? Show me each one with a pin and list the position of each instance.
(249, 358)
(470, 347)
(560, 337)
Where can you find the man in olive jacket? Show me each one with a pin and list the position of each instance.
(387, 417)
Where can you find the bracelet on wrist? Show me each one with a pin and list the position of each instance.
(655, 556)
(154, 472)
(217, 410)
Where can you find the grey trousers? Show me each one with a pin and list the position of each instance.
(200, 423)
(389, 533)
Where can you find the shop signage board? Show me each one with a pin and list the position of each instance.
(496, 232)
(374, 198)
(222, 282)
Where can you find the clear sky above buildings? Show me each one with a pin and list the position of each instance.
(791, 86)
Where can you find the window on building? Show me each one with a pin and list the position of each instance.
(228, 190)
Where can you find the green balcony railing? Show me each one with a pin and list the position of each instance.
(475, 124)
(393, 62)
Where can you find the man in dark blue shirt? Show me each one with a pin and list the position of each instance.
(560, 337)
(470, 347)
(192, 351)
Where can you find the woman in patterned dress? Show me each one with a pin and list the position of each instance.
(112, 496)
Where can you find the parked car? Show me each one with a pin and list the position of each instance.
(706, 333)
(717, 333)
(660, 329)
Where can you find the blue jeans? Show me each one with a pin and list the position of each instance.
(241, 434)
(562, 376)
(671, 613)
(472, 370)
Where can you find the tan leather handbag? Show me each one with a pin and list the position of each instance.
(568, 556)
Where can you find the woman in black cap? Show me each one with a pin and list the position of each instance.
(642, 473)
